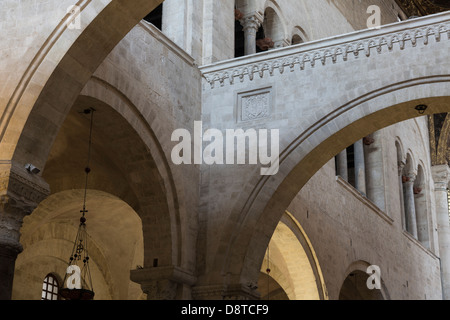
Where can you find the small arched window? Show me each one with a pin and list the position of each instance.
(50, 288)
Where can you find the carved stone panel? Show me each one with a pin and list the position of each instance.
(255, 105)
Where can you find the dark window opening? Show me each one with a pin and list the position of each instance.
(155, 17)
(239, 40)
(351, 165)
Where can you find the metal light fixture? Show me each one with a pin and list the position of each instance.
(78, 281)
(421, 108)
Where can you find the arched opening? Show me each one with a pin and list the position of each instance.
(128, 217)
(277, 192)
(296, 39)
(289, 270)
(115, 244)
(273, 28)
(355, 288)
(155, 17)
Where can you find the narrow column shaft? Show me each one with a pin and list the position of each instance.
(360, 168)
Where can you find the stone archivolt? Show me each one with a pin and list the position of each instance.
(330, 53)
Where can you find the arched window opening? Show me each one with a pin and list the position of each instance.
(274, 32)
(239, 36)
(155, 17)
(296, 39)
(50, 288)
(263, 43)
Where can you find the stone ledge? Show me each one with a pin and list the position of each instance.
(326, 51)
(347, 186)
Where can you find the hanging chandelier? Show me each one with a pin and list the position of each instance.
(77, 284)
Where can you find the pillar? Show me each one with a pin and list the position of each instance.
(251, 23)
(360, 167)
(400, 167)
(441, 177)
(410, 209)
(375, 185)
(342, 165)
(20, 194)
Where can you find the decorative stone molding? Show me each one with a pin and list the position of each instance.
(393, 37)
(254, 105)
(162, 283)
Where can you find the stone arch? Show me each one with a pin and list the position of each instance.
(274, 24)
(115, 244)
(354, 287)
(293, 263)
(63, 64)
(298, 35)
(130, 174)
(308, 152)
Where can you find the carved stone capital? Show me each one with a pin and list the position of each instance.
(441, 177)
(409, 178)
(252, 21)
(162, 283)
(20, 193)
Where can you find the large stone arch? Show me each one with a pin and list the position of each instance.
(259, 210)
(64, 63)
(121, 165)
(115, 244)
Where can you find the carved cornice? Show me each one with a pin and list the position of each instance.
(394, 37)
(25, 188)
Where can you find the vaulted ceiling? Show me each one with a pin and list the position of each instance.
(423, 7)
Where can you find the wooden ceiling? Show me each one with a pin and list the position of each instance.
(421, 8)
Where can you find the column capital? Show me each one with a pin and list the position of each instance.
(20, 193)
(409, 177)
(162, 283)
(441, 177)
(252, 21)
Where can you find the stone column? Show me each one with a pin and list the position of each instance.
(164, 283)
(12, 212)
(251, 23)
(410, 208)
(400, 167)
(342, 165)
(441, 177)
(375, 185)
(360, 167)
(20, 194)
